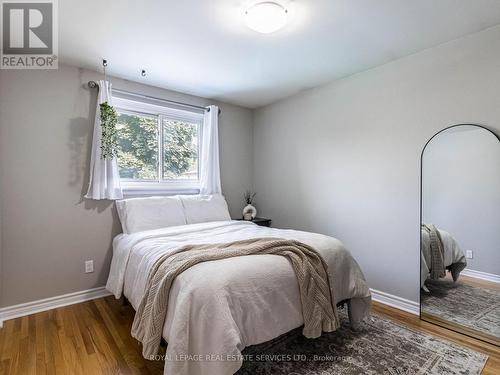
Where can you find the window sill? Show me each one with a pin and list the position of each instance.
(131, 190)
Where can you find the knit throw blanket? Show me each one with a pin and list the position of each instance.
(437, 253)
(318, 306)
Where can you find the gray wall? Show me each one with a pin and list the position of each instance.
(344, 159)
(461, 192)
(48, 230)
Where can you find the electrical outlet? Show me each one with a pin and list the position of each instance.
(469, 254)
(89, 266)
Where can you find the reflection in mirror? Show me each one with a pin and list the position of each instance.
(460, 232)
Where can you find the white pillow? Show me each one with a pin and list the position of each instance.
(204, 208)
(138, 214)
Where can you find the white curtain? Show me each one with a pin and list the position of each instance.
(210, 171)
(104, 177)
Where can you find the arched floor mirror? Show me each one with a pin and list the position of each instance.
(460, 231)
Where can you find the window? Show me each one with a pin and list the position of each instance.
(158, 147)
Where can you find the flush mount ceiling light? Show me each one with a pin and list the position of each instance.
(266, 17)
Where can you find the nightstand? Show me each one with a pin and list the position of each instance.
(260, 221)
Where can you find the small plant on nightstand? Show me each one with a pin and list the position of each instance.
(249, 212)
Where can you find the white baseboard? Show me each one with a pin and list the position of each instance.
(23, 309)
(481, 275)
(394, 301)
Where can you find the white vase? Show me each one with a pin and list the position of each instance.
(249, 212)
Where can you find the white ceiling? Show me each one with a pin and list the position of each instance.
(203, 47)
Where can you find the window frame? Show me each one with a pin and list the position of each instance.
(133, 187)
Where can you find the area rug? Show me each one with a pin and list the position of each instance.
(378, 347)
(470, 306)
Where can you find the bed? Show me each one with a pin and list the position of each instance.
(217, 308)
(453, 257)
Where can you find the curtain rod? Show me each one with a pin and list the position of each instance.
(94, 84)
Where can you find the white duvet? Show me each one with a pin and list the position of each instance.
(217, 308)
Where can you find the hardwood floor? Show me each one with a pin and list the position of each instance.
(94, 338)
(88, 338)
(473, 281)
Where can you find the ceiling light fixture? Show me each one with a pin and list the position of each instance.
(266, 17)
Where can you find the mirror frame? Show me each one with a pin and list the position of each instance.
(427, 317)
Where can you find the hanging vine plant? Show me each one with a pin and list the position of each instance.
(109, 141)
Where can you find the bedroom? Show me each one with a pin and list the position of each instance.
(325, 119)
